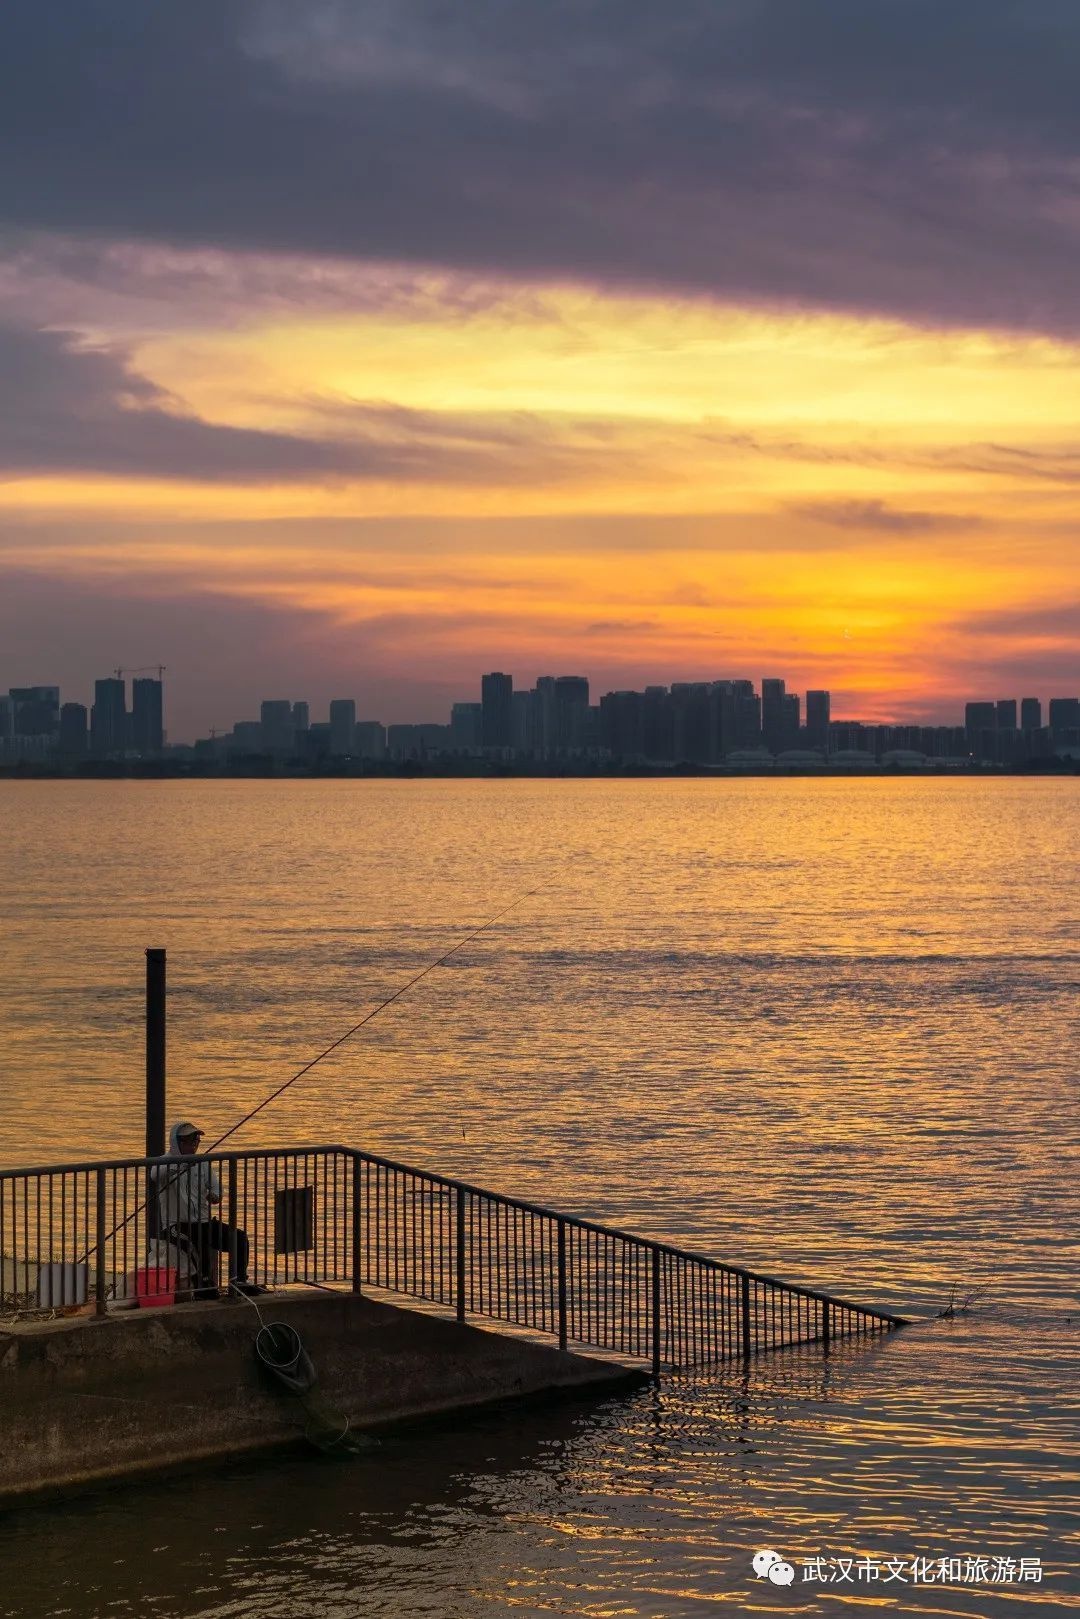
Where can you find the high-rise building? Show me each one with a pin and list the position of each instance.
(108, 717)
(497, 703)
(416, 742)
(35, 710)
(980, 724)
(466, 722)
(591, 733)
(543, 716)
(246, 738)
(29, 721)
(74, 726)
(301, 718)
(980, 716)
(692, 722)
(1064, 716)
(370, 739)
(657, 730)
(1006, 713)
(721, 719)
(747, 717)
(314, 743)
(678, 698)
(147, 716)
(1030, 714)
(571, 709)
(621, 724)
(790, 722)
(524, 710)
(772, 714)
(278, 735)
(342, 727)
(818, 706)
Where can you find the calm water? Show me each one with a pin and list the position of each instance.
(824, 1028)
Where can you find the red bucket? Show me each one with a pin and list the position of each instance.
(154, 1288)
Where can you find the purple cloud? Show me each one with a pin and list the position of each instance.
(879, 516)
(901, 157)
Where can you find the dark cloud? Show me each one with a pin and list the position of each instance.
(131, 286)
(884, 519)
(73, 408)
(1042, 463)
(620, 626)
(902, 156)
(1058, 625)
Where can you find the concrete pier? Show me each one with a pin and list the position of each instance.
(84, 1398)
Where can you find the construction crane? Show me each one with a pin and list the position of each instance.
(143, 669)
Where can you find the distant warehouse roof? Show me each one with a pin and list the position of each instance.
(908, 757)
(853, 756)
(750, 758)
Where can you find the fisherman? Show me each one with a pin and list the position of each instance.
(185, 1197)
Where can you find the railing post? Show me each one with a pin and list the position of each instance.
(656, 1312)
(460, 1233)
(826, 1323)
(99, 1238)
(155, 1053)
(561, 1240)
(357, 1255)
(746, 1345)
(231, 1206)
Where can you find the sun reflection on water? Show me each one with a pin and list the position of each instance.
(823, 1028)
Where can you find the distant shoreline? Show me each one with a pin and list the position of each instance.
(466, 770)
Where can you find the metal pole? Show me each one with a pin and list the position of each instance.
(155, 1053)
(746, 1343)
(100, 1239)
(357, 1254)
(561, 1238)
(460, 1280)
(656, 1312)
(231, 1209)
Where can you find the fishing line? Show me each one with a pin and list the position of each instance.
(183, 1169)
(368, 1016)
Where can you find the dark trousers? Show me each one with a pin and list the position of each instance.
(203, 1242)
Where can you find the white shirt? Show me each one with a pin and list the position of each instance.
(187, 1188)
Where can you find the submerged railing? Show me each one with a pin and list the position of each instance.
(79, 1235)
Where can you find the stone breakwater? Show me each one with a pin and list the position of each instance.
(84, 1399)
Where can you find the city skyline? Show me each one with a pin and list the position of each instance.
(689, 722)
(410, 705)
(664, 363)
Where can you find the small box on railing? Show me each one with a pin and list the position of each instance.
(294, 1219)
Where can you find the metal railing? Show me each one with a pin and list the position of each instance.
(97, 1234)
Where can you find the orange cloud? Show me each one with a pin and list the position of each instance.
(670, 490)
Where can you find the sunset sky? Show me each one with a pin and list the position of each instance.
(353, 347)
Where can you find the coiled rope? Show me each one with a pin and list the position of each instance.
(280, 1352)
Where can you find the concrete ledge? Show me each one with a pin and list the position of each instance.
(84, 1399)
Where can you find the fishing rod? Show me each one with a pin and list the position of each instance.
(185, 1169)
(369, 1016)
